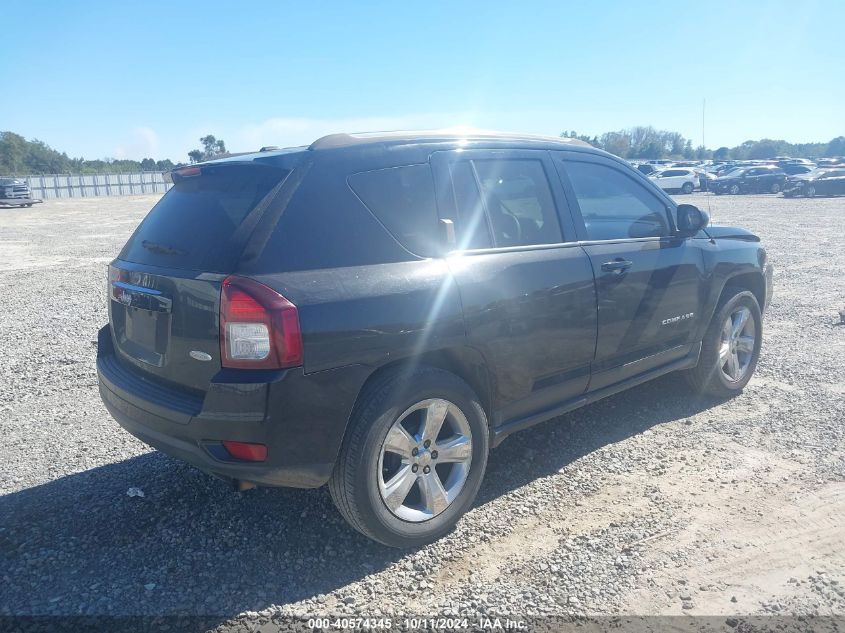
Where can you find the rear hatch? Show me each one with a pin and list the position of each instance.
(164, 288)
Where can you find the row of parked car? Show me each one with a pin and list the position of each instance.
(794, 177)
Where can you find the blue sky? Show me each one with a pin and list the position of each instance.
(132, 79)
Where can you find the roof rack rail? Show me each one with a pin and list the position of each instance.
(269, 148)
(332, 140)
(345, 140)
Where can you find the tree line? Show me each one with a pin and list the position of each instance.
(648, 143)
(21, 156)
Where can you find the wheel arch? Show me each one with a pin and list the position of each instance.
(753, 281)
(466, 363)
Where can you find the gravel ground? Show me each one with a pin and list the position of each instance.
(645, 503)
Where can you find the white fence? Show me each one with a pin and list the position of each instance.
(85, 185)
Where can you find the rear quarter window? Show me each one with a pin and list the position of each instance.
(403, 200)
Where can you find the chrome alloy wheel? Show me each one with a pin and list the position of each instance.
(425, 460)
(737, 344)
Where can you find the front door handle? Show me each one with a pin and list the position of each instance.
(617, 266)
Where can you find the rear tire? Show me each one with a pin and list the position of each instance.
(367, 482)
(687, 188)
(809, 191)
(775, 188)
(730, 348)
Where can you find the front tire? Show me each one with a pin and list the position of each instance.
(775, 188)
(733, 190)
(730, 348)
(413, 457)
(809, 191)
(687, 188)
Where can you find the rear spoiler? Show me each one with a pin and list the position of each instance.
(181, 173)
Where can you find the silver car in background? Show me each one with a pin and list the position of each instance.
(15, 191)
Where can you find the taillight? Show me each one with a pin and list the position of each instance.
(259, 328)
(116, 274)
(246, 451)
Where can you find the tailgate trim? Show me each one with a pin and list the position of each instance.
(138, 297)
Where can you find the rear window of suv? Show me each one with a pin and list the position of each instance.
(203, 222)
(402, 198)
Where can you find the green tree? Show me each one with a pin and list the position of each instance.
(676, 142)
(836, 147)
(764, 149)
(618, 143)
(12, 152)
(23, 157)
(211, 148)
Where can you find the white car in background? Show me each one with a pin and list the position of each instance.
(676, 179)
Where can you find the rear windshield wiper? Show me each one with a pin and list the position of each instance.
(164, 249)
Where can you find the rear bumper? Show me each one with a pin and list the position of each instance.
(301, 418)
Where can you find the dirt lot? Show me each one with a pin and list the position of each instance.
(646, 503)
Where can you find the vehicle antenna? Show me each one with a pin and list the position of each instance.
(704, 145)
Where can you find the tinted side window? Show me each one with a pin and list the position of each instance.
(402, 198)
(323, 225)
(519, 202)
(471, 225)
(613, 205)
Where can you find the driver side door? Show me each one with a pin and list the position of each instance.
(650, 281)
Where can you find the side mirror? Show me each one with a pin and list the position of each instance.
(691, 219)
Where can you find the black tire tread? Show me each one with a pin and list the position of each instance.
(370, 406)
(700, 378)
(340, 483)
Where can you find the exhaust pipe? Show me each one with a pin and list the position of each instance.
(241, 486)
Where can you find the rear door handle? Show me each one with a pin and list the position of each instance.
(617, 266)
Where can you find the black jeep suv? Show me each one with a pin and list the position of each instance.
(376, 312)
